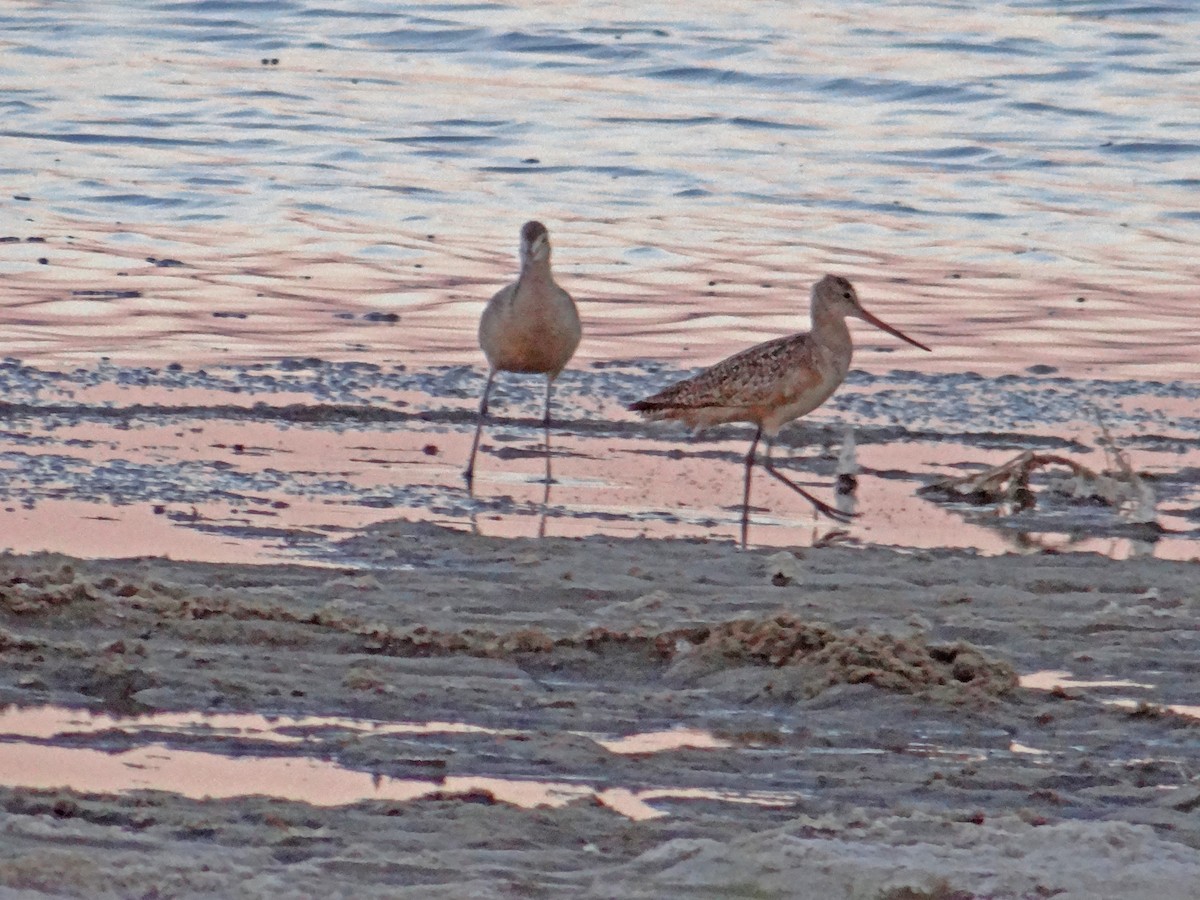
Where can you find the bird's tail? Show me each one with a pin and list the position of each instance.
(654, 409)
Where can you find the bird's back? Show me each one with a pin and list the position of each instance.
(768, 384)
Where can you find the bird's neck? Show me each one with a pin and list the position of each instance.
(830, 330)
(536, 276)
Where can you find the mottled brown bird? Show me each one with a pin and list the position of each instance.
(773, 383)
(529, 326)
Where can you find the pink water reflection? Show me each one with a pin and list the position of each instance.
(98, 531)
(621, 484)
(1057, 679)
(662, 741)
(205, 775)
(209, 776)
(293, 301)
(1052, 679)
(51, 721)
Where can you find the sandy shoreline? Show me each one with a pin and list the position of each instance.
(866, 729)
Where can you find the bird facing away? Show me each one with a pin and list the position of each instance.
(529, 326)
(772, 383)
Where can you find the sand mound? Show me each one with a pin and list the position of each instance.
(822, 655)
(829, 656)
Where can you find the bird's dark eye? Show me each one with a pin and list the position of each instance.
(846, 295)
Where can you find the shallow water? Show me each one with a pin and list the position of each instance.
(133, 756)
(236, 755)
(243, 463)
(220, 755)
(216, 182)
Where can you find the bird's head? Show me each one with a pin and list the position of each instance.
(836, 295)
(535, 243)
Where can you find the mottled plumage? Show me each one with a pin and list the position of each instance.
(770, 384)
(529, 326)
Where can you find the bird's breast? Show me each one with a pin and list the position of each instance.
(806, 387)
(530, 333)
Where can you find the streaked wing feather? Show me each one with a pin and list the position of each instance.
(747, 378)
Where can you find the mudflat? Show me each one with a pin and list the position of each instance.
(447, 714)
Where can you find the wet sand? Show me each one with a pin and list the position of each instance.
(281, 460)
(824, 722)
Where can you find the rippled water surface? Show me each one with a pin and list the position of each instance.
(1014, 181)
(202, 183)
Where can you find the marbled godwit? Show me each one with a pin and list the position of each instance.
(529, 326)
(773, 383)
